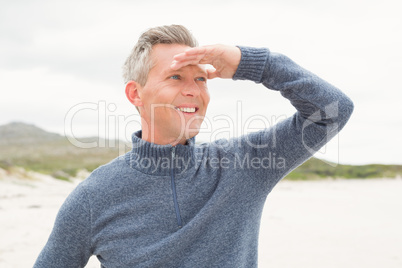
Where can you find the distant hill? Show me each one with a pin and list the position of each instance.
(22, 133)
(35, 149)
(318, 169)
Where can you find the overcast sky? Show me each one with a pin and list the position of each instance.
(60, 64)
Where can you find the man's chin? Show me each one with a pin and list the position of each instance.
(188, 134)
(192, 133)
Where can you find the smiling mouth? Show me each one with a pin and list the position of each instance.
(187, 109)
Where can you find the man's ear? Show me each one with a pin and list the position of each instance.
(132, 93)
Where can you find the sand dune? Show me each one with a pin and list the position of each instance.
(329, 223)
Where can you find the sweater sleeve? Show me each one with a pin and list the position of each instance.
(69, 243)
(322, 110)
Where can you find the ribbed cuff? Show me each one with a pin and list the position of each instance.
(252, 64)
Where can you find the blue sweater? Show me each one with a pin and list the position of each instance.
(196, 205)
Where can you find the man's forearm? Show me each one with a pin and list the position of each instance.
(322, 110)
(313, 97)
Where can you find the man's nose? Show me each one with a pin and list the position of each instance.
(191, 89)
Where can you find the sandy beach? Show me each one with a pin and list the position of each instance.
(328, 223)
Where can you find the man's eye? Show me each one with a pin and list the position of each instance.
(175, 77)
(203, 79)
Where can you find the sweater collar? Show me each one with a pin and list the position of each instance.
(155, 159)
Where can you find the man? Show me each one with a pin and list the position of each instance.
(171, 203)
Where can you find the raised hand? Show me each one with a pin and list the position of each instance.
(225, 59)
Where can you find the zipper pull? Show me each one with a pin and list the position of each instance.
(173, 152)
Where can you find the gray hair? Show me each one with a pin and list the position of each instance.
(139, 63)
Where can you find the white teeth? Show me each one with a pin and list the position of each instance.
(186, 110)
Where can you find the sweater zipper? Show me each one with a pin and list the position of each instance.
(172, 180)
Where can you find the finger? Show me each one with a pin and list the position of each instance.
(184, 56)
(184, 61)
(196, 50)
(192, 56)
(180, 64)
(212, 73)
(191, 53)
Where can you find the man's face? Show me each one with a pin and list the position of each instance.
(174, 102)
